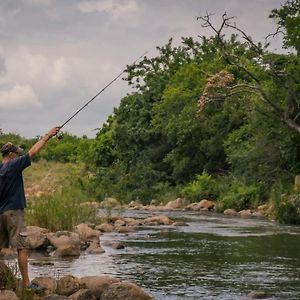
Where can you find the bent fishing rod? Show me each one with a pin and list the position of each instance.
(87, 103)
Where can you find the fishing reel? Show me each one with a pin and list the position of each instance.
(59, 136)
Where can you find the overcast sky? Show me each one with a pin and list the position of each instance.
(57, 54)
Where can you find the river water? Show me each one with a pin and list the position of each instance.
(214, 257)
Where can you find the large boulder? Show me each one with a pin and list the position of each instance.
(63, 238)
(105, 227)
(158, 220)
(97, 284)
(124, 291)
(176, 204)
(68, 285)
(95, 248)
(86, 232)
(47, 282)
(245, 213)
(202, 205)
(67, 250)
(230, 212)
(36, 237)
(83, 294)
(132, 222)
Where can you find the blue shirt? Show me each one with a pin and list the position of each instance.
(13, 194)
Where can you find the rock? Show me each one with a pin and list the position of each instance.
(202, 205)
(67, 250)
(124, 291)
(105, 227)
(135, 203)
(230, 212)
(7, 295)
(176, 204)
(36, 237)
(109, 202)
(83, 295)
(259, 295)
(63, 238)
(124, 229)
(68, 285)
(258, 214)
(97, 284)
(245, 213)
(180, 223)
(119, 222)
(7, 277)
(132, 222)
(48, 282)
(158, 220)
(114, 244)
(95, 248)
(8, 253)
(85, 232)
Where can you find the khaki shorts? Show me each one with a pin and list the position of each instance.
(13, 229)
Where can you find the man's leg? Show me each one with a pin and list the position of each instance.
(17, 239)
(23, 265)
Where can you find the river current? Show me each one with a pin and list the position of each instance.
(214, 257)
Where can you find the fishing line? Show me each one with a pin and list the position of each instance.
(86, 104)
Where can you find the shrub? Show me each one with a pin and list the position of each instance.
(238, 195)
(60, 211)
(286, 207)
(204, 186)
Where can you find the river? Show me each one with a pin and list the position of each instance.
(215, 257)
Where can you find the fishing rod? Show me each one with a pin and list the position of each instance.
(86, 104)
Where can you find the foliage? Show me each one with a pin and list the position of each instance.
(238, 195)
(286, 206)
(216, 117)
(203, 187)
(61, 210)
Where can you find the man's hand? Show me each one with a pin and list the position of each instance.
(53, 132)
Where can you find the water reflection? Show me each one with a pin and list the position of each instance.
(212, 258)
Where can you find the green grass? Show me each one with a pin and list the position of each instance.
(59, 205)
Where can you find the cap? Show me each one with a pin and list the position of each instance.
(9, 147)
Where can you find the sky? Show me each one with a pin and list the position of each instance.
(55, 55)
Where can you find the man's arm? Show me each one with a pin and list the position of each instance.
(35, 149)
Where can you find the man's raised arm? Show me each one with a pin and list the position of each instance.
(35, 149)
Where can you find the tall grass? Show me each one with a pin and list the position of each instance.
(60, 211)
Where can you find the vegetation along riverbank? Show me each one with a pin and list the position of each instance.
(211, 125)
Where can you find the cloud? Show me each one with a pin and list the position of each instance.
(38, 2)
(59, 72)
(116, 9)
(18, 96)
(24, 67)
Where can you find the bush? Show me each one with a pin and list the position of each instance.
(238, 195)
(286, 207)
(60, 211)
(204, 186)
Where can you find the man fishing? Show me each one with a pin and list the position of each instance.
(13, 202)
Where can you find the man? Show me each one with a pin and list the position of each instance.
(13, 202)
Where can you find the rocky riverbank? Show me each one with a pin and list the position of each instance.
(70, 287)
